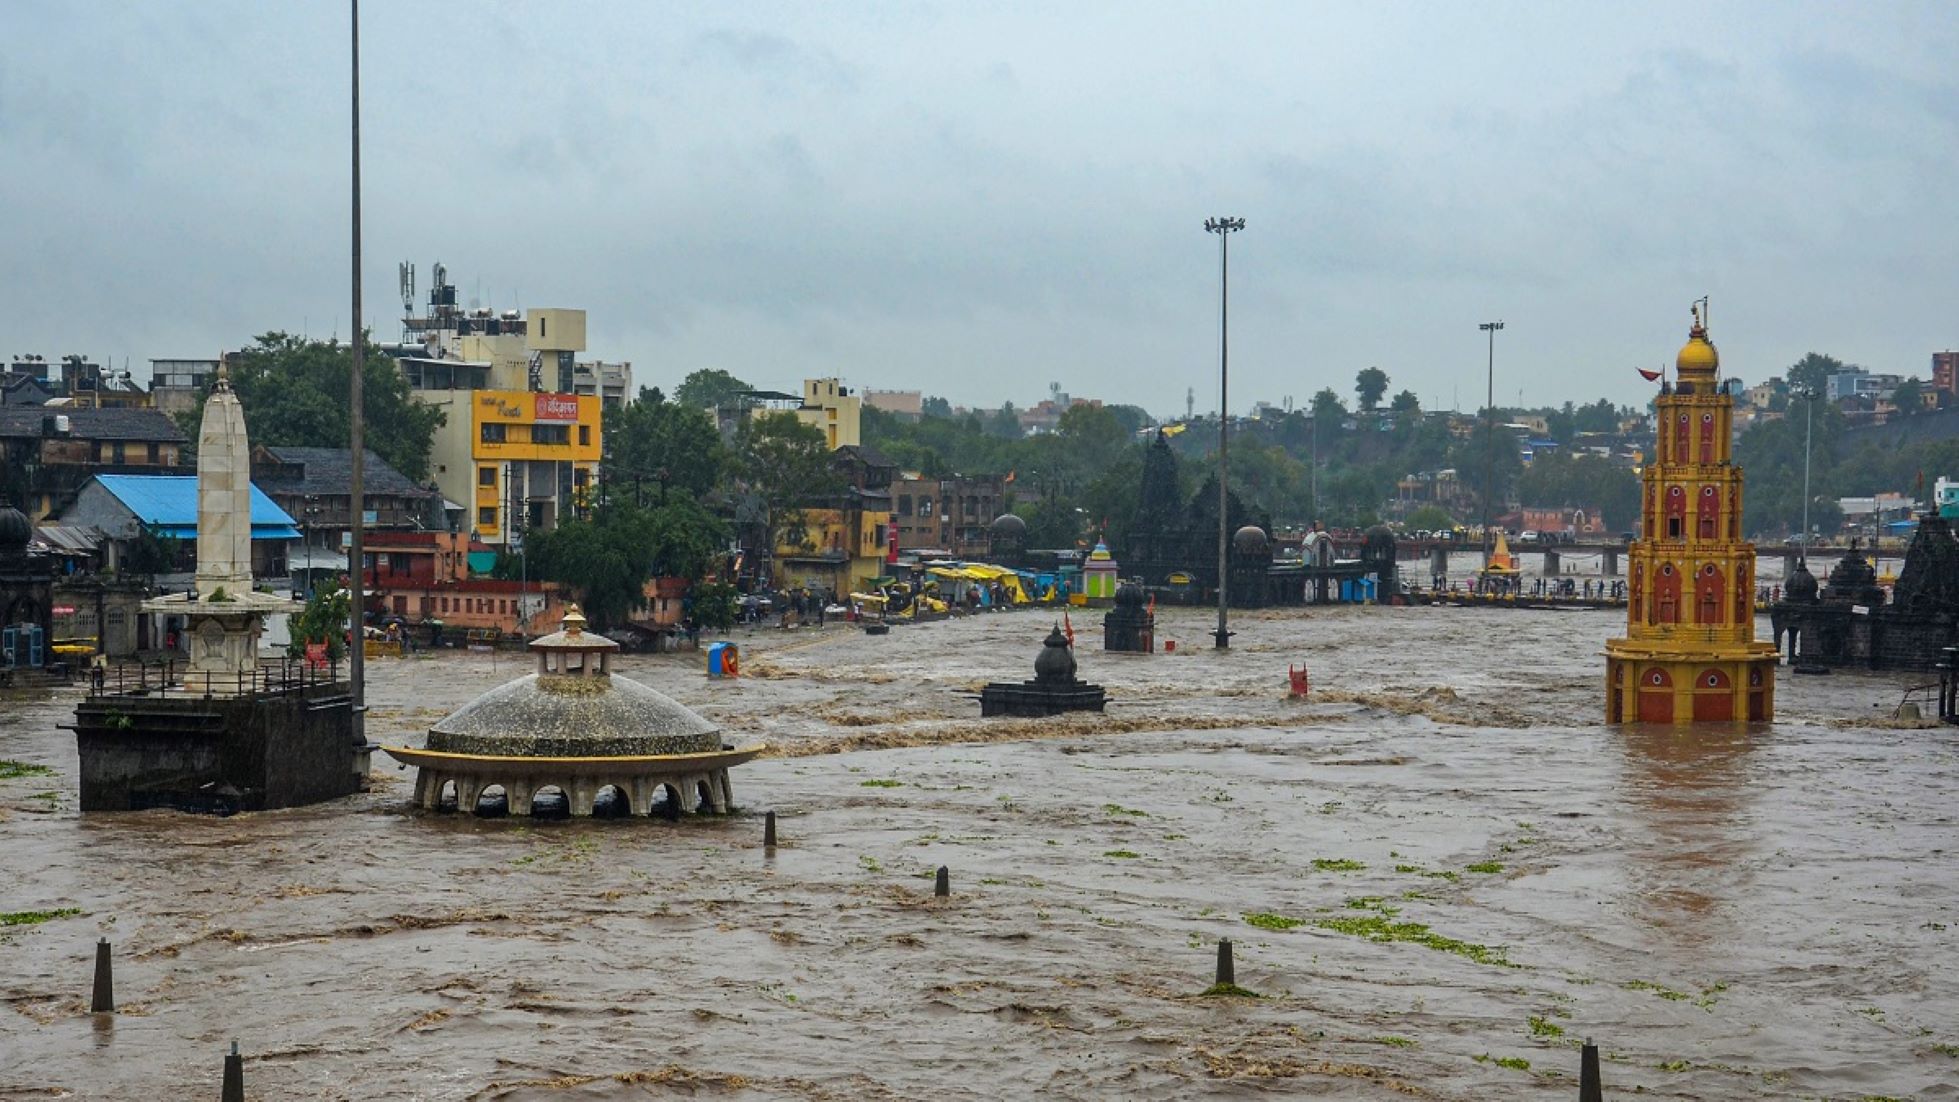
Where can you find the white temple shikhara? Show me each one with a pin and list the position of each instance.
(224, 610)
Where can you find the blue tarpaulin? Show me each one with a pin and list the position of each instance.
(168, 503)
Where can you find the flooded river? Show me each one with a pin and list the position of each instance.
(1441, 874)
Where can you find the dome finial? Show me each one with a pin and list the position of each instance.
(573, 622)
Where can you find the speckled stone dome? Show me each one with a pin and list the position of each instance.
(1129, 595)
(1802, 584)
(1008, 524)
(15, 530)
(573, 708)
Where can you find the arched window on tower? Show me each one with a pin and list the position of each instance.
(1666, 595)
(1710, 508)
(1708, 595)
(1707, 437)
(1676, 513)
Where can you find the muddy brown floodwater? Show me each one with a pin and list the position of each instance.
(1441, 874)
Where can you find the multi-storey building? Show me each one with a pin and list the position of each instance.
(47, 453)
(953, 515)
(1690, 652)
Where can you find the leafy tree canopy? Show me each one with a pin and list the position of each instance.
(295, 392)
(710, 388)
(668, 445)
(1369, 385)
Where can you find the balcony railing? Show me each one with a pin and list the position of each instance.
(271, 677)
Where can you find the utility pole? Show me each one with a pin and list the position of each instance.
(1224, 228)
(1809, 418)
(357, 654)
(1489, 473)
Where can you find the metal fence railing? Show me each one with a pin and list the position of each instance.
(270, 677)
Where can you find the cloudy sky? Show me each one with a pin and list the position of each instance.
(978, 199)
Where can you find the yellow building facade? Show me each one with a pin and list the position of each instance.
(534, 454)
(1690, 653)
(842, 550)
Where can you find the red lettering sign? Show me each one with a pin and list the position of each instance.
(559, 408)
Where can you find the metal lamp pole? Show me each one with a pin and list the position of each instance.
(1489, 473)
(357, 654)
(1809, 418)
(1224, 228)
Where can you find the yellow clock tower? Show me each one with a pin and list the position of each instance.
(1690, 653)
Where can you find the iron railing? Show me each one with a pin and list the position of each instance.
(270, 677)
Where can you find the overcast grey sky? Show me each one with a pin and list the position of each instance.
(977, 199)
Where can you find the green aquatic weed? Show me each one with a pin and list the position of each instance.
(1337, 864)
(35, 918)
(1485, 867)
(881, 783)
(1122, 854)
(9, 770)
(1544, 1027)
(1267, 921)
(1382, 928)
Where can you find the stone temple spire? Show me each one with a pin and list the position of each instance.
(224, 495)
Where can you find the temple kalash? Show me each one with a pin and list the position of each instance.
(1690, 653)
(575, 738)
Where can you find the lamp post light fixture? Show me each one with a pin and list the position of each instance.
(1489, 471)
(1224, 228)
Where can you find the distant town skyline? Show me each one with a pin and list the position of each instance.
(975, 203)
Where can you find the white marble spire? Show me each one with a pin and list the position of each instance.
(224, 496)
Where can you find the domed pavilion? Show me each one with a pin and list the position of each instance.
(571, 726)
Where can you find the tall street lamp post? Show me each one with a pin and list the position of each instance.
(1809, 417)
(1489, 471)
(356, 553)
(1224, 228)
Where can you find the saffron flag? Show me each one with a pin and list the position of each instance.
(1011, 474)
(1650, 376)
(1067, 628)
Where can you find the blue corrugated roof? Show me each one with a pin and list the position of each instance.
(170, 503)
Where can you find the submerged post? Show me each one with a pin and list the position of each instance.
(1227, 972)
(768, 830)
(942, 886)
(1589, 1087)
(234, 1076)
(104, 1001)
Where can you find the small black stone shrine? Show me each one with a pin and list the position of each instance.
(1129, 628)
(1054, 690)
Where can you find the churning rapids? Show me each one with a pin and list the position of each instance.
(1442, 873)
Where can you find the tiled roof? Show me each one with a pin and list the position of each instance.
(94, 424)
(331, 471)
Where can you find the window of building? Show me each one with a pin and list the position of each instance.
(119, 451)
(486, 476)
(486, 517)
(540, 328)
(584, 436)
(155, 455)
(904, 505)
(550, 434)
(493, 432)
(580, 477)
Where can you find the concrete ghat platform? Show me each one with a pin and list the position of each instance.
(691, 780)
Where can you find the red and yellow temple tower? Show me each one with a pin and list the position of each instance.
(1690, 653)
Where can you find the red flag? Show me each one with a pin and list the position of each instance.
(1650, 376)
(1067, 628)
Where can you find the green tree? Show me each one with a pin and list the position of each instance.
(935, 406)
(786, 465)
(1327, 406)
(323, 620)
(1091, 436)
(151, 553)
(1051, 523)
(1406, 402)
(1909, 397)
(1369, 385)
(608, 558)
(1814, 371)
(1599, 416)
(295, 392)
(710, 388)
(671, 445)
(1430, 518)
(1005, 424)
(1133, 419)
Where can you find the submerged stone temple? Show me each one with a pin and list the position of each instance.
(573, 727)
(229, 731)
(1850, 622)
(1690, 653)
(1055, 688)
